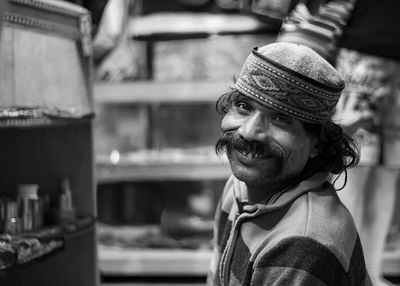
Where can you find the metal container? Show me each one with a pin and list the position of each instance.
(12, 223)
(29, 207)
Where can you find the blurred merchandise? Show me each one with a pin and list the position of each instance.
(124, 47)
(116, 56)
(31, 211)
(212, 58)
(110, 28)
(147, 237)
(228, 5)
(145, 7)
(114, 128)
(3, 212)
(193, 3)
(18, 249)
(29, 207)
(12, 221)
(129, 128)
(124, 62)
(66, 208)
(270, 11)
(167, 156)
(158, 215)
(186, 26)
(178, 224)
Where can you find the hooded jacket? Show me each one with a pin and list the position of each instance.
(301, 236)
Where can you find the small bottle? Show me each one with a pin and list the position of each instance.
(12, 223)
(66, 211)
(3, 212)
(28, 205)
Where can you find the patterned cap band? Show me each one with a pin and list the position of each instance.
(287, 90)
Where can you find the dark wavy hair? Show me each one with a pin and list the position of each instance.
(336, 150)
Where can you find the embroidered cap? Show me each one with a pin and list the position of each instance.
(292, 79)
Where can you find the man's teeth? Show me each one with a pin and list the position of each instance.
(252, 155)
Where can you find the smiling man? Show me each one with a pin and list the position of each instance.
(279, 221)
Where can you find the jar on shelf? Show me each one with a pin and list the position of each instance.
(29, 207)
(66, 208)
(11, 223)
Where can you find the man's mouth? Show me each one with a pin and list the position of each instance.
(253, 155)
(248, 151)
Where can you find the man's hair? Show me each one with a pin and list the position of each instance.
(336, 150)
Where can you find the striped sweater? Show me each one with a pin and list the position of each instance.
(304, 236)
(321, 30)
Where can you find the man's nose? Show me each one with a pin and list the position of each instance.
(255, 127)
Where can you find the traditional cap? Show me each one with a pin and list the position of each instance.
(293, 79)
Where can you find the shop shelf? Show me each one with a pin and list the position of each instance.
(175, 262)
(22, 250)
(391, 263)
(123, 261)
(146, 250)
(46, 107)
(168, 164)
(172, 26)
(159, 92)
(39, 119)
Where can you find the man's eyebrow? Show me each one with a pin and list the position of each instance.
(242, 97)
(281, 113)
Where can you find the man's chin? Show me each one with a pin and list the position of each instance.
(254, 176)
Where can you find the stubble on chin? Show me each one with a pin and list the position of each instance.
(254, 175)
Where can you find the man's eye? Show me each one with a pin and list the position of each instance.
(242, 106)
(283, 119)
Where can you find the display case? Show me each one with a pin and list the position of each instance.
(46, 112)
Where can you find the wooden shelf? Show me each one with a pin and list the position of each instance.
(159, 165)
(114, 260)
(26, 248)
(46, 111)
(142, 262)
(36, 122)
(159, 92)
(166, 26)
(391, 263)
(110, 173)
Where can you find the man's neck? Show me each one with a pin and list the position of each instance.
(263, 193)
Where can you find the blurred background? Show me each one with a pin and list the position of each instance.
(159, 68)
(150, 190)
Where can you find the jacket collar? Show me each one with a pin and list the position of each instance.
(278, 200)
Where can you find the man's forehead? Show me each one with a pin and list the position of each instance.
(261, 105)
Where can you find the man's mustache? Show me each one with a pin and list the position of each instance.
(231, 141)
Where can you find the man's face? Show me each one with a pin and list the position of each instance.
(264, 146)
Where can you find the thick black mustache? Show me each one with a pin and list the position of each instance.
(233, 141)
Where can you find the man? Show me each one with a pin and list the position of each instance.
(279, 221)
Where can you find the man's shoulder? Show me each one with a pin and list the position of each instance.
(322, 212)
(301, 257)
(323, 218)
